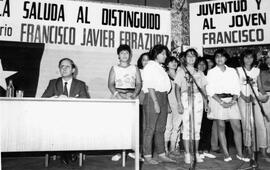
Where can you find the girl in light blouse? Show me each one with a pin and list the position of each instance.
(156, 85)
(247, 101)
(182, 79)
(223, 89)
(124, 80)
(264, 88)
(174, 119)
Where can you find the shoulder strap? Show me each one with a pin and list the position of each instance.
(261, 79)
(237, 71)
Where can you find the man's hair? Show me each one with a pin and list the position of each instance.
(68, 59)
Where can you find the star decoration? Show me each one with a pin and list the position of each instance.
(4, 75)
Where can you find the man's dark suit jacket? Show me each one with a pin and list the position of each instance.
(77, 89)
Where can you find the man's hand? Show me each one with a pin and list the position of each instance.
(54, 97)
(62, 96)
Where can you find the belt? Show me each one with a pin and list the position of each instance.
(125, 90)
(224, 95)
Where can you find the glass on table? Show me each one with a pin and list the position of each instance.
(19, 93)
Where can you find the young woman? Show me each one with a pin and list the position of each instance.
(214, 130)
(183, 79)
(142, 60)
(124, 79)
(202, 65)
(174, 119)
(223, 89)
(205, 141)
(156, 85)
(247, 101)
(141, 63)
(264, 88)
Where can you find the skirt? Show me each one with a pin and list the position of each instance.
(221, 113)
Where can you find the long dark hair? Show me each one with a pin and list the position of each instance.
(192, 51)
(157, 49)
(139, 61)
(199, 60)
(246, 53)
(168, 60)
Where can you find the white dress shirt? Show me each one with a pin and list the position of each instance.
(223, 81)
(155, 77)
(68, 85)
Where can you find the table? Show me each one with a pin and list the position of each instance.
(38, 124)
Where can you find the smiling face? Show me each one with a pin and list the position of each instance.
(220, 59)
(172, 65)
(202, 66)
(190, 58)
(210, 63)
(248, 60)
(124, 56)
(145, 60)
(66, 69)
(161, 57)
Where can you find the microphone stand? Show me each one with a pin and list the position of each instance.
(254, 158)
(191, 81)
(191, 124)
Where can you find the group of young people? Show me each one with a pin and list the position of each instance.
(171, 89)
(187, 95)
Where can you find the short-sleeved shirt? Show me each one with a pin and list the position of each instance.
(219, 81)
(155, 77)
(125, 77)
(244, 86)
(181, 79)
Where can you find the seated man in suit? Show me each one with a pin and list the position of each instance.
(64, 87)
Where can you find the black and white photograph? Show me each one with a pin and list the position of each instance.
(135, 84)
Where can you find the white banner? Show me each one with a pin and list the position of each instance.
(86, 24)
(87, 32)
(230, 23)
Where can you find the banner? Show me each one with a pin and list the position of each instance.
(229, 23)
(41, 32)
